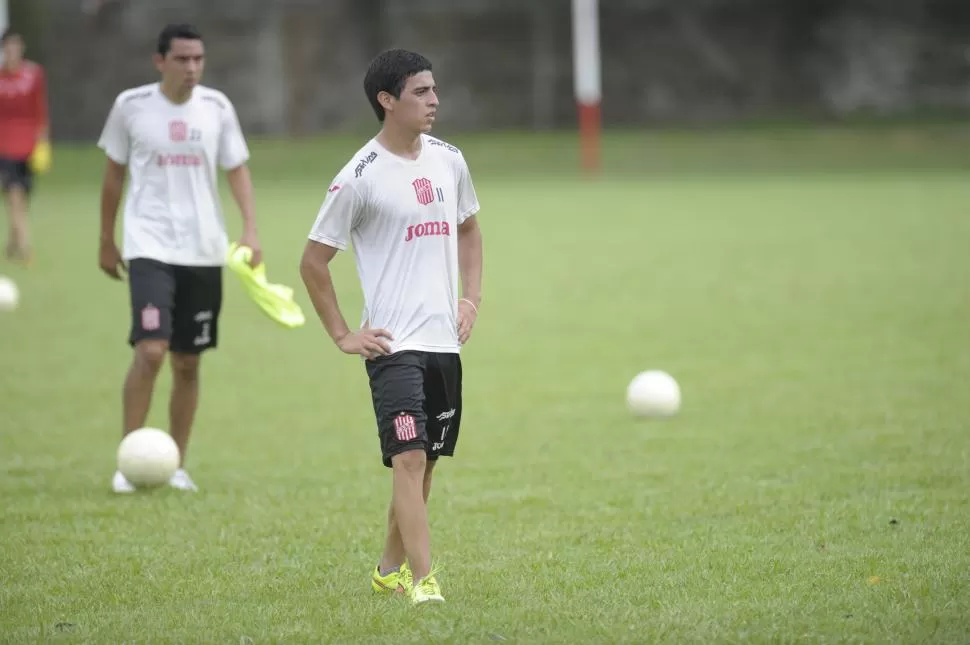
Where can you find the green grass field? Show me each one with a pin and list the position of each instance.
(810, 289)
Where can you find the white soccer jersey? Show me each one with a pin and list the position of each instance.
(172, 212)
(402, 216)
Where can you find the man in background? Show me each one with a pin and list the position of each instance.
(171, 137)
(23, 124)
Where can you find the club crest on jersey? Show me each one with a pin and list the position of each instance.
(427, 229)
(426, 192)
(178, 130)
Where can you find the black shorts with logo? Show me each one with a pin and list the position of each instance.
(417, 402)
(15, 172)
(179, 304)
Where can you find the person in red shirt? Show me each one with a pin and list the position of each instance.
(23, 123)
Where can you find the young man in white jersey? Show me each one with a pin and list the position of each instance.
(170, 137)
(407, 203)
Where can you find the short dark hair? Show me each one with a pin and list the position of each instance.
(180, 31)
(9, 33)
(389, 72)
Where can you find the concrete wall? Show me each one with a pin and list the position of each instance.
(296, 66)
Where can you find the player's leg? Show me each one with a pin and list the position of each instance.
(392, 574)
(397, 387)
(185, 399)
(410, 511)
(393, 564)
(151, 289)
(198, 301)
(15, 179)
(393, 557)
(146, 361)
(442, 408)
(19, 239)
(7, 167)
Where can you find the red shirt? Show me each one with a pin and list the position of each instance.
(23, 109)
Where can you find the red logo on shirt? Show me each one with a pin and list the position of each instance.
(424, 190)
(334, 188)
(178, 160)
(427, 229)
(178, 130)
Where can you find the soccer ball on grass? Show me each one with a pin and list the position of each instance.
(9, 294)
(148, 457)
(653, 393)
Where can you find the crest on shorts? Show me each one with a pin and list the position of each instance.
(151, 318)
(405, 428)
(178, 130)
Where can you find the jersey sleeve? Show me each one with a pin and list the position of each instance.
(114, 136)
(339, 213)
(233, 151)
(467, 199)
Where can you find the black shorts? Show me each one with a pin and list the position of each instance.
(179, 304)
(15, 172)
(417, 402)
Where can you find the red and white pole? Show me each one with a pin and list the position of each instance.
(586, 77)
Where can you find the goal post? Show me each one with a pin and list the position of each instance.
(587, 80)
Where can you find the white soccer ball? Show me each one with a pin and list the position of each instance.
(9, 294)
(148, 457)
(653, 393)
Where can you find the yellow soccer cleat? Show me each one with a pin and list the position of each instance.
(394, 582)
(426, 590)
